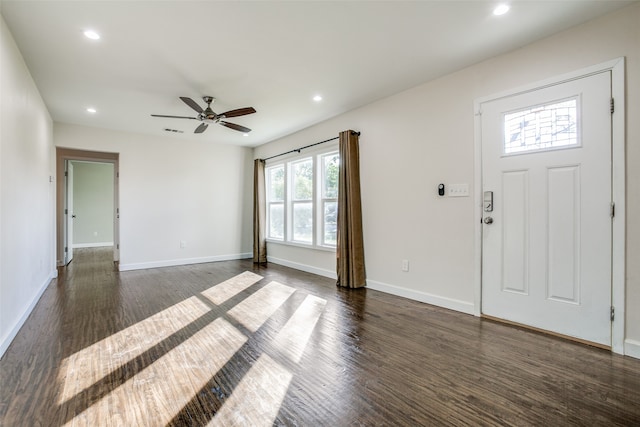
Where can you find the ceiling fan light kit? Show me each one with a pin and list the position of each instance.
(208, 116)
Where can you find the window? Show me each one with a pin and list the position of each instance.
(275, 202)
(542, 127)
(329, 194)
(302, 200)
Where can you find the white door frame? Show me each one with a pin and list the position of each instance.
(68, 213)
(64, 154)
(618, 265)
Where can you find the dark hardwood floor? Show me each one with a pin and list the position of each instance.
(231, 343)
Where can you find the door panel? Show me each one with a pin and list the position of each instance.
(563, 261)
(546, 261)
(515, 253)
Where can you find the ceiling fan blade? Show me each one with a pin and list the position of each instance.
(235, 127)
(201, 128)
(238, 112)
(174, 117)
(191, 103)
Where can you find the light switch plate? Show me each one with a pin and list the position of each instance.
(458, 190)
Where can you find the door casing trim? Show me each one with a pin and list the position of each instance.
(64, 154)
(618, 262)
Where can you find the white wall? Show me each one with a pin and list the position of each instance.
(173, 190)
(416, 139)
(92, 204)
(27, 197)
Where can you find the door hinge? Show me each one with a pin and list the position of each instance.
(66, 249)
(117, 174)
(118, 246)
(613, 106)
(613, 313)
(66, 173)
(66, 212)
(612, 209)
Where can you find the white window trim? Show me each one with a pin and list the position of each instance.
(286, 161)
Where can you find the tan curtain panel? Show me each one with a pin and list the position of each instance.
(350, 246)
(259, 213)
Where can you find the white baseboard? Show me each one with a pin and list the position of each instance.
(183, 261)
(632, 348)
(449, 303)
(462, 306)
(6, 341)
(303, 267)
(91, 245)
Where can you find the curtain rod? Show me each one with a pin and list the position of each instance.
(297, 150)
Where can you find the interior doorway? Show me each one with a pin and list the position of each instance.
(66, 214)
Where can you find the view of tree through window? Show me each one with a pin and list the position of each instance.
(275, 197)
(302, 200)
(330, 165)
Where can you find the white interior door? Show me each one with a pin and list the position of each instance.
(69, 212)
(546, 254)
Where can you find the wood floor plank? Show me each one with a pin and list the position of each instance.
(219, 344)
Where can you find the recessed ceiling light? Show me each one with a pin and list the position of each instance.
(91, 110)
(501, 9)
(90, 34)
(245, 134)
(317, 98)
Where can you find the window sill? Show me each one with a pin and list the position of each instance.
(302, 245)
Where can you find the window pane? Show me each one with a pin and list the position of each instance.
(303, 180)
(330, 223)
(275, 184)
(330, 165)
(541, 127)
(303, 222)
(276, 221)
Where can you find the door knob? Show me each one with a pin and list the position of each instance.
(488, 220)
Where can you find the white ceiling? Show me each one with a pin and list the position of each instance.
(272, 55)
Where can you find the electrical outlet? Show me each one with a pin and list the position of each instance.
(458, 190)
(95, 234)
(183, 244)
(405, 265)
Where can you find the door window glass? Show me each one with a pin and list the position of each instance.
(542, 127)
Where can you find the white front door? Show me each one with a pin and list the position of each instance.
(546, 174)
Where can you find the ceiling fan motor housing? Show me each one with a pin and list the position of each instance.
(208, 113)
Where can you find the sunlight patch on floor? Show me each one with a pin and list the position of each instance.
(294, 336)
(256, 400)
(226, 290)
(157, 390)
(91, 364)
(155, 395)
(257, 308)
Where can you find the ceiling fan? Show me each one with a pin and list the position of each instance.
(208, 116)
